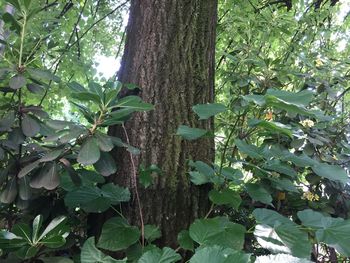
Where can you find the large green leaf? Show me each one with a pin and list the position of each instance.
(30, 126)
(17, 82)
(217, 231)
(166, 255)
(248, 149)
(54, 227)
(280, 235)
(302, 98)
(93, 199)
(185, 240)
(331, 172)
(89, 152)
(337, 236)
(332, 231)
(152, 233)
(272, 126)
(104, 142)
(225, 197)
(43, 74)
(135, 103)
(87, 96)
(218, 254)
(37, 223)
(90, 254)
(105, 165)
(190, 133)
(7, 121)
(117, 234)
(259, 193)
(52, 155)
(205, 111)
(47, 178)
(9, 193)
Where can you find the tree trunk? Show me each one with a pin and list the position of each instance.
(169, 54)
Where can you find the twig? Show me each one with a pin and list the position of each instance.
(134, 185)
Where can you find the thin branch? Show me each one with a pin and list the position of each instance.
(134, 185)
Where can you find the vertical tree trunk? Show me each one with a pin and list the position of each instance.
(169, 54)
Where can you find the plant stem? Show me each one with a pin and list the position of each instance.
(22, 39)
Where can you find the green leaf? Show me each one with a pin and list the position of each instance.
(313, 219)
(225, 197)
(166, 255)
(248, 149)
(88, 115)
(51, 155)
(257, 99)
(47, 178)
(302, 98)
(7, 121)
(331, 172)
(185, 241)
(152, 233)
(26, 252)
(135, 103)
(89, 152)
(96, 88)
(37, 223)
(288, 107)
(337, 236)
(272, 126)
(8, 18)
(190, 133)
(22, 230)
(118, 116)
(217, 231)
(28, 168)
(282, 168)
(94, 199)
(87, 96)
(76, 87)
(9, 193)
(205, 111)
(104, 142)
(105, 165)
(117, 234)
(90, 254)
(17, 82)
(259, 193)
(198, 178)
(30, 126)
(219, 254)
(53, 241)
(332, 231)
(24, 190)
(280, 235)
(55, 224)
(43, 74)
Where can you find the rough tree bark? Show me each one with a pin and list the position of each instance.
(169, 54)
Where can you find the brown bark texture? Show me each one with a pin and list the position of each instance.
(169, 54)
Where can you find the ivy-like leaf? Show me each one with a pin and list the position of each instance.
(117, 234)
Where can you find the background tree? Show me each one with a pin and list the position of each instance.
(169, 55)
